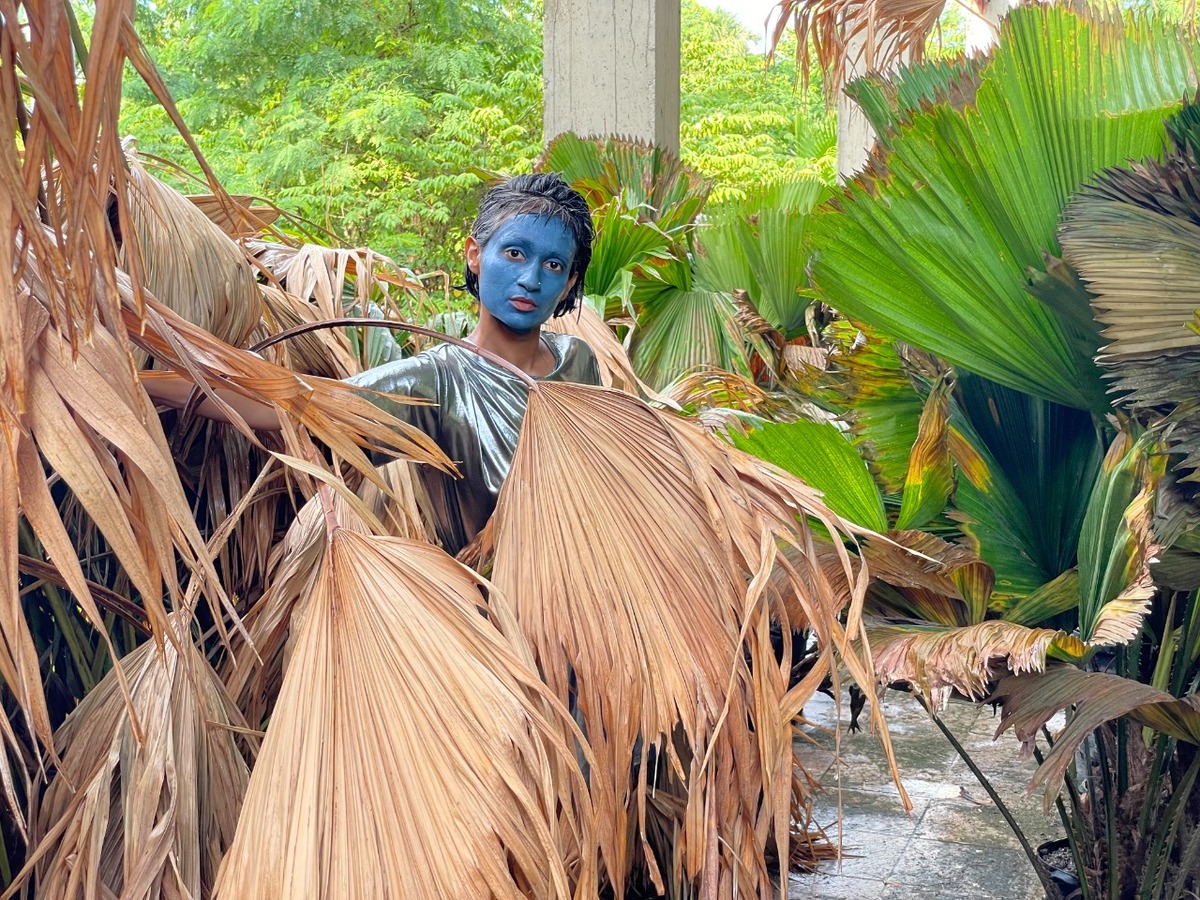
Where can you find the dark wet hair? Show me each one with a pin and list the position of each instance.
(541, 194)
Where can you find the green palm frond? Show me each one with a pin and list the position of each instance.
(756, 246)
(681, 328)
(888, 102)
(1026, 467)
(936, 247)
(644, 178)
(820, 454)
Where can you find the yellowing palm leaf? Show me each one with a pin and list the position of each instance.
(969, 659)
(413, 752)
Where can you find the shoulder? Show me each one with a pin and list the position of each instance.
(413, 376)
(576, 361)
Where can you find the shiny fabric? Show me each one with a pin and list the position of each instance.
(476, 421)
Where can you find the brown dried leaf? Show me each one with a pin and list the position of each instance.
(413, 753)
(642, 577)
(968, 659)
(149, 817)
(187, 262)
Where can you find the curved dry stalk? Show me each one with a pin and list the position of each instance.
(326, 352)
(150, 815)
(413, 752)
(637, 551)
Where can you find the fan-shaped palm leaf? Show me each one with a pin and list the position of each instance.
(820, 454)
(1135, 238)
(187, 263)
(968, 659)
(146, 798)
(971, 200)
(641, 178)
(639, 578)
(1094, 697)
(615, 369)
(463, 786)
(756, 246)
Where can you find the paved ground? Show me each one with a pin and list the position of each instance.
(955, 845)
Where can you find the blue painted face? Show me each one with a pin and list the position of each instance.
(525, 271)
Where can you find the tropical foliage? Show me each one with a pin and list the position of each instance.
(373, 120)
(1012, 359)
(233, 666)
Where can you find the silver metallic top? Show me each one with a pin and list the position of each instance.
(476, 421)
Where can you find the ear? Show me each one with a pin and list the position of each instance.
(473, 252)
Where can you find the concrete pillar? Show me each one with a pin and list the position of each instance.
(854, 135)
(611, 67)
(982, 29)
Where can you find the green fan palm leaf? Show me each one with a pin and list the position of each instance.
(937, 244)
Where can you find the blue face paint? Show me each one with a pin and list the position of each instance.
(525, 271)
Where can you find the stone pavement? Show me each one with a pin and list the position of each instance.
(955, 845)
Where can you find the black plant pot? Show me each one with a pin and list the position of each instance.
(1056, 857)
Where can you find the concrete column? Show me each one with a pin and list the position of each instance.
(982, 29)
(611, 67)
(854, 135)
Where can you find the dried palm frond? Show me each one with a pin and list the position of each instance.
(968, 660)
(333, 412)
(98, 432)
(143, 812)
(188, 263)
(244, 220)
(326, 352)
(616, 371)
(639, 578)
(1135, 239)
(453, 781)
(333, 276)
(253, 669)
(870, 34)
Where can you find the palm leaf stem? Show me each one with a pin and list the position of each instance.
(1110, 815)
(1043, 877)
(110, 600)
(67, 624)
(362, 321)
(1164, 838)
(1072, 831)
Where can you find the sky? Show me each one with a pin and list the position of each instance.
(751, 13)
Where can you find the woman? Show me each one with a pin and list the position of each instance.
(526, 259)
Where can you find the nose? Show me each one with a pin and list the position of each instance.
(530, 278)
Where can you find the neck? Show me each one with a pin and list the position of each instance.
(524, 350)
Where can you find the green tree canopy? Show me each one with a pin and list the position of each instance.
(360, 116)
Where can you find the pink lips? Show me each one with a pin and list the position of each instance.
(523, 304)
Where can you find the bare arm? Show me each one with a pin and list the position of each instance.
(172, 389)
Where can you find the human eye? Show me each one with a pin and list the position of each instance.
(513, 253)
(554, 265)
